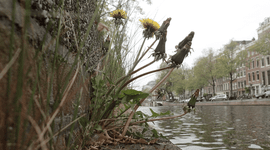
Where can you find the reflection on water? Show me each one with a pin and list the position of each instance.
(217, 127)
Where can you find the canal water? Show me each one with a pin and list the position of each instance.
(216, 127)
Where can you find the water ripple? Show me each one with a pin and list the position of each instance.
(217, 127)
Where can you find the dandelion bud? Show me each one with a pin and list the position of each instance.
(160, 49)
(185, 40)
(178, 58)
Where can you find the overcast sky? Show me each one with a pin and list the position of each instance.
(215, 23)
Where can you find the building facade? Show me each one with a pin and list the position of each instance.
(258, 73)
(252, 77)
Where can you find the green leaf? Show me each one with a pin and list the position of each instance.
(154, 114)
(132, 107)
(166, 113)
(146, 124)
(138, 134)
(155, 133)
(109, 80)
(134, 94)
(144, 130)
(124, 100)
(131, 92)
(131, 96)
(141, 114)
(161, 135)
(98, 127)
(83, 122)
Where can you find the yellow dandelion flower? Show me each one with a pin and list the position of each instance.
(150, 24)
(150, 27)
(118, 14)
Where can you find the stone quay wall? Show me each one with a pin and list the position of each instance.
(42, 28)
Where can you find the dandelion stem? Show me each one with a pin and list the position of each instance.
(164, 118)
(137, 106)
(150, 120)
(147, 50)
(11, 62)
(121, 79)
(136, 62)
(142, 76)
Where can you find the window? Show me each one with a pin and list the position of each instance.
(245, 83)
(262, 61)
(248, 54)
(244, 72)
(258, 62)
(263, 78)
(252, 53)
(268, 61)
(253, 66)
(249, 79)
(258, 75)
(241, 73)
(268, 72)
(253, 76)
